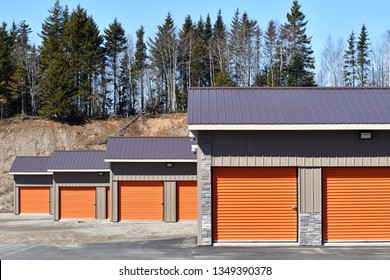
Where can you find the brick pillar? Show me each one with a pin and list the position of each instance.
(204, 189)
(310, 228)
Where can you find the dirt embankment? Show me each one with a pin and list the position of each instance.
(41, 137)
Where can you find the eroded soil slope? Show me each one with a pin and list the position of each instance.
(26, 137)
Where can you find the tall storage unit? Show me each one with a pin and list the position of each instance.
(153, 178)
(33, 185)
(81, 181)
(300, 165)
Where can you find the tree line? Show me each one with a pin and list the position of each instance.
(81, 71)
(355, 62)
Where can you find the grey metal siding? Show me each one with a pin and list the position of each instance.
(170, 201)
(300, 148)
(153, 171)
(33, 180)
(310, 199)
(82, 179)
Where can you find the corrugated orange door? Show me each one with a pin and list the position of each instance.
(141, 200)
(77, 202)
(108, 203)
(34, 200)
(254, 204)
(356, 204)
(187, 200)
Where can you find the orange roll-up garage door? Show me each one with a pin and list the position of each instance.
(254, 204)
(187, 200)
(77, 202)
(141, 200)
(356, 204)
(34, 200)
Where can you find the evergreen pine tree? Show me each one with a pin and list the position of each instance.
(57, 98)
(85, 55)
(6, 70)
(300, 62)
(350, 63)
(115, 44)
(220, 51)
(164, 55)
(187, 38)
(363, 60)
(20, 56)
(270, 45)
(140, 62)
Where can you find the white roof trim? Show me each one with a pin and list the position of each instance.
(149, 160)
(289, 127)
(30, 173)
(78, 170)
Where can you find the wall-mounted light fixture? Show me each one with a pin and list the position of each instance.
(100, 173)
(169, 164)
(365, 135)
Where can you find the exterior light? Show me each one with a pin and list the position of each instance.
(169, 164)
(365, 135)
(100, 173)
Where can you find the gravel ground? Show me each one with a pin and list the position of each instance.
(41, 229)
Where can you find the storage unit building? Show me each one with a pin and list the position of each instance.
(301, 165)
(152, 179)
(33, 185)
(81, 184)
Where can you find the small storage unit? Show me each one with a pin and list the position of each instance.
(77, 202)
(356, 204)
(33, 185)
(254, 204)
(81, 180)
(152, 178)
(141, 200)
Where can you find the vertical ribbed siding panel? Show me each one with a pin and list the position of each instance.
(311, 188)
(254, 204)
(169, 201)
(108, 203)
(356, 204)
(16, 200)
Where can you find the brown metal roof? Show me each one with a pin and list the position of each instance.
(78, 161)
(288, 106)
(149, 148)
(30, 165)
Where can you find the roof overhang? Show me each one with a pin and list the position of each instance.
(78, 170)
(150, 160)
(285, 127)
(30, 173)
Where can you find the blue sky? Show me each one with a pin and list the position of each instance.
(326, 17)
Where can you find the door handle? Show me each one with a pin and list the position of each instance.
(294, 207)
